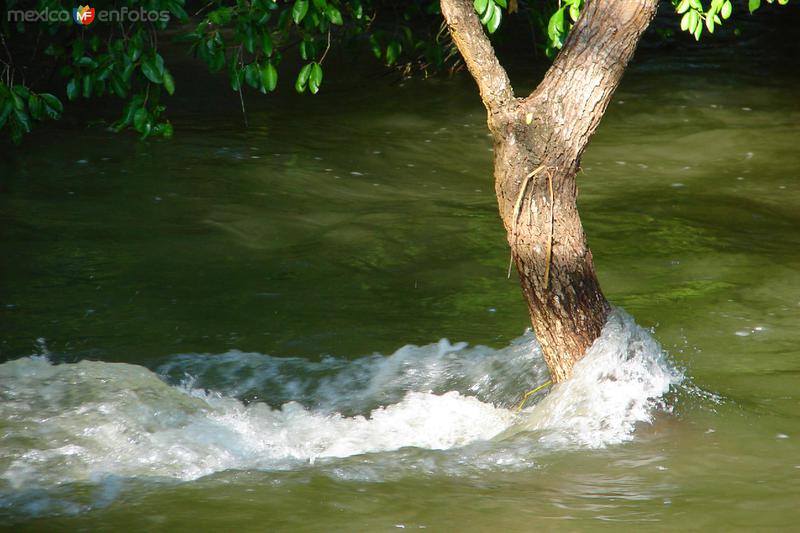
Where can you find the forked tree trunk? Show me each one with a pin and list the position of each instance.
(538, 143)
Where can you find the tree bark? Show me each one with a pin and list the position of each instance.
(538, 144)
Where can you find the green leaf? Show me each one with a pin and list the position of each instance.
(315, 78)
(72, 89)
(36, 107)
(574, 12)
(119, 86)
(375, 46)
(266, 44)
(216, 60)
(494, 22)
(146, 130)
(129, 112)
(22, 91)
(169, 83)
(488, 14)
(683, 7)
(19, 103)
(555, 27)
(252, 75)
(685, 21)
(87, 86)
(105, 72)
(696, 4)
(710, 24)
(299, 10)
(5, 111)
(135, 47)
(316, 73)
(127, 72)
(480, 6)
(177, 9)
(86, 61)
(334, 15)
(236, 75)
(150, 72)
(140, 118)
(153, 68)
(221, 16)
(249, 41)
(726, 10)
(53, 106)
(302, 78)
(753, 5)
(269, 77)
(23, 119)
(393, 52)
(694, 21)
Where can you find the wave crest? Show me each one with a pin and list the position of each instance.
(449, 406)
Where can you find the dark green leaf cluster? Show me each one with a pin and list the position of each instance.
(247, 40)
(19, 106)
(695, 15)
(116, 58)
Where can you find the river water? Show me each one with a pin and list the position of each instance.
(248, 329)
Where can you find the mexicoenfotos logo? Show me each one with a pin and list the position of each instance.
(83, 15)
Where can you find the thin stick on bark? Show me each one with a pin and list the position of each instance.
(550, 240)
(517, 207)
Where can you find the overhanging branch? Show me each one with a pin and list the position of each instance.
(478, 54)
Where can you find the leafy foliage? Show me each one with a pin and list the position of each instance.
(19, 106)
(695, 16)
(246, 40)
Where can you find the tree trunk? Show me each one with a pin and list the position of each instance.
(538, 143)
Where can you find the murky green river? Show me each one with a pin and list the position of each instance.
(240, 330)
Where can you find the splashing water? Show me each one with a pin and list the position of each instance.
(201, 414)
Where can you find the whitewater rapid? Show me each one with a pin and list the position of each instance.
(196, 414)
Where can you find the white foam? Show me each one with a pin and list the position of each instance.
(618, 384)
(87, 421)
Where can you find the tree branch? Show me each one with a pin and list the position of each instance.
(478, 54)
(575, 91)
